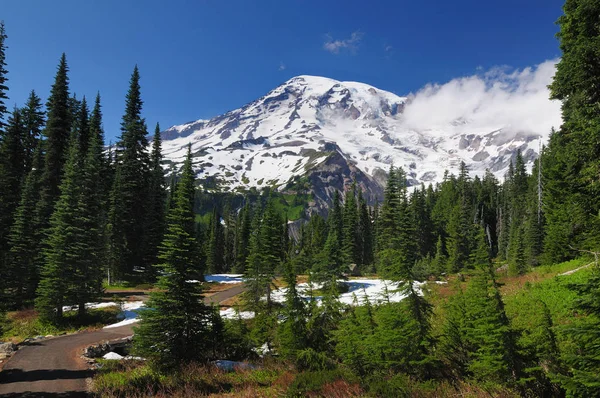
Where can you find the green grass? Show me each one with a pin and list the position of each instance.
(21, 325)
(137, 378)
(554, 292)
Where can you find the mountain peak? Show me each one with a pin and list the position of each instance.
(295, 127)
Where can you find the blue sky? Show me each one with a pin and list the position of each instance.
(198, 59)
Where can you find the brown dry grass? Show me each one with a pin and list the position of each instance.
(212, 288)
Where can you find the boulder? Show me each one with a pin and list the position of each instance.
(7, 348)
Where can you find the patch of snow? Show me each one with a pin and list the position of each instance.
(113, 356)
(231, 313)
(373, 289)
(224, 278)
(68, 308)
(129, 314)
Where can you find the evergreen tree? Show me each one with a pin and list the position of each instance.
(365, 232)
(24, 239)
(350, 239)
(494, 355)
(242, 240)
(156, 206)
(34, 120)
(571, 161)
(128, 210)
(87, 264)
(438, 264)
(83, 129)
(178, 327)
(292, 331)
(215, 245)
(12, 172)
(455, 348)
(3, 78)
(265, 255)
(62, 244)
(57, 133)
(229, 239)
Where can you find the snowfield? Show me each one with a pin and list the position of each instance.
(286, 132)
(375, 290)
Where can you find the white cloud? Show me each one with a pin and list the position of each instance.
(517, 100)
(281, 66)
(351, 44)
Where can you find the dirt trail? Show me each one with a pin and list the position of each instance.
(53, 367)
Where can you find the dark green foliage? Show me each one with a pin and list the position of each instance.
(57, 132)
(62, 244)
(83, 128)
(88, 271)
(229, 252)
(265, 254)
(494, 357)
(570, 164)
(292, 331)
(12, 172)
(365, 233)
(242, 238)
(583, 357)
(3, 78)
(24, 240)
(34, 120)
(178, 327)
(156, 206)
(396, 246)
(351, 246)
(215, 245)
(128, 197)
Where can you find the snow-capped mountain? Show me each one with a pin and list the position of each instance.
(330, 132)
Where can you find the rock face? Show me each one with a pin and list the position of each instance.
(328, 133)
(99, 350)
(7, 349)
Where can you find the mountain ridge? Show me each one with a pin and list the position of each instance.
(292, 130)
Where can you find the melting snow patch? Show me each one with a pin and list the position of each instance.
(231, 313)
(129, 314)
(113, 355)
(224, 278)
(376, 290)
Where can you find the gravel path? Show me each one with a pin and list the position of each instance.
(53, 367)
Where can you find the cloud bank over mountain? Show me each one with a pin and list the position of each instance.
(515, 100)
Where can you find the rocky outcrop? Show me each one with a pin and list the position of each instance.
(336, 173)
(7, 349)
(99, 350)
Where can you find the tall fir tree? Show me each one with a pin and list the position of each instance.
(128, 195)
(83, 129)
(156, 206)
(24, 239)
(12, 172)
(215, 244)
(3, 78)
(177, 327)
(571, 161)
(242, 239)
(62, 244)
(57, 133)
(88, 269)
(34, 120)
(351, 247)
